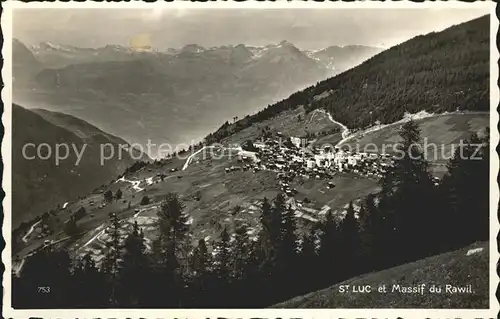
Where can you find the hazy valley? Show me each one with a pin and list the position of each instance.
(176, 96)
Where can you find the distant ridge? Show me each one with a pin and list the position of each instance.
(39, 185)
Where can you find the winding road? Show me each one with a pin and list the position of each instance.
(30, 231)
(135, 184)
(347, 135)
(188, 160)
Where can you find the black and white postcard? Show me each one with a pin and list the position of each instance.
(286, 159)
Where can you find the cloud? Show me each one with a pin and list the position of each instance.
(176, 27)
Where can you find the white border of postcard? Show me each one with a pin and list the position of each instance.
(8, 311)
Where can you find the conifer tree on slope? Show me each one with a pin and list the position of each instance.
(369, 224)
(308, 263)
(91, 289)
(242, 253)
(201, 259)
(200, 284)
(110, 265)
(269, 235)
(270, 240)
(349, 248)
(223, 256)
(408, 202)
(173, 229)
(134, 268)
(287, 252)
(244, 268)
(327, 254)
(288, 242)
(46, 268)
(465, 189)
(118, 194)
(222, 269)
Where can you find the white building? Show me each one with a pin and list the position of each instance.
(259, 145)
(325, 159)
(310, 164)
(351, 160)
(298, 159)
(296, 141)
(247, 155)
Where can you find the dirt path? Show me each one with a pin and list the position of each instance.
(347, 135)
(188, 160)
(345, 131)
(30, 231)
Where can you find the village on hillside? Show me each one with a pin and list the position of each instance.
(290, 158)
(294, 156)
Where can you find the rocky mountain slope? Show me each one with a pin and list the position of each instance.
(24, 65)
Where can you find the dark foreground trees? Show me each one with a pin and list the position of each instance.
(409, 219)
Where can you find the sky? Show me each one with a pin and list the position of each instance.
(309, 29)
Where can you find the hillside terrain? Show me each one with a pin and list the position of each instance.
(434, 73)
(39, 185)
(441, 133)
(215, 195)
(269, 205)
(130, 93)
(460, 268)
(197, 183)
(438, 72)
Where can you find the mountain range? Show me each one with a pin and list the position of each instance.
(174, 96)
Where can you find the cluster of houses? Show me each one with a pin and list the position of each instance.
(297, 157)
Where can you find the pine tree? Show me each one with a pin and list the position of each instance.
(465, 189)
(55, 266)
(223, 257)
(266, 233)
(328, 250)
(91, 289)
(241, 249)
(199, 287)
(118, 194)
(132, 275)
(369, 223)
(108, 196)
(244, 270)
(308, 263)
(270, 240)
(349, 250)
(145, 200)
(222, 271)
(173, 231)
(287, 252)
(201, 258)
(407, 201)
(110, 265)
(70, 227)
